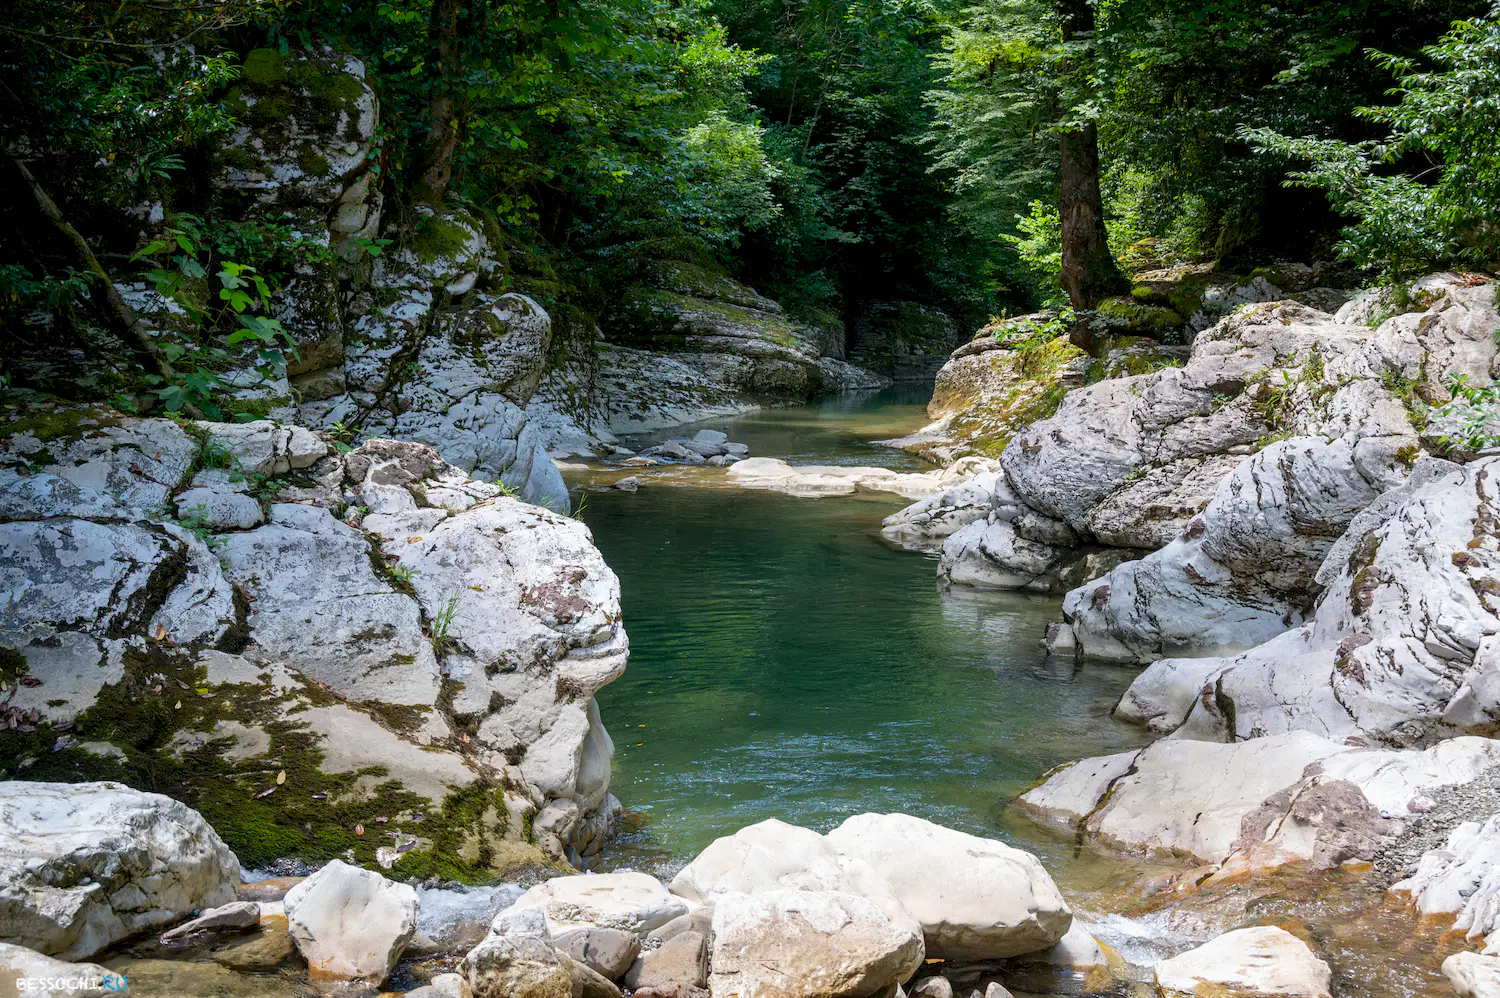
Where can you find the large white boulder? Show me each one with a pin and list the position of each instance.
(772, 855)
(321, 609)
(808, 944)
(1473, 975)
(975, 898)
(350, 924)
(431, 586)
(630, 902)
(1258, 961)
(84, 865)
(1404, 645)
(1254, 806)
(45, 977)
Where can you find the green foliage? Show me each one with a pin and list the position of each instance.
(1473, 416)
(194, 351)
(1445, 120)
(1038, 246)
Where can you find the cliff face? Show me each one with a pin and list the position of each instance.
(322, 649)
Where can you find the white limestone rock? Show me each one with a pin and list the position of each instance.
(1240, 572)
(533, 624)
(219, 509)
(1254, 806)
(808, 944)
(630, 902)
(815, 480)
(84, 865)
(772, 855)
(350, 924)
(975, 898)
(1263, 961)
(264, 447)
(517, 960)
(923, 525)
(1473, 975)
(320, 609)
(46, 977)
(136, 462)
(1404, 643)
(1461, 879)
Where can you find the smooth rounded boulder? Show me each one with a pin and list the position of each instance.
(84, 865)
(975, 899)
(351, 924)
(1263, 960)
(45, 977)
(772, 855)
(629, 902)
(808, 944)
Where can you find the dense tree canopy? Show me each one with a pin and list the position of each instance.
(830, 152)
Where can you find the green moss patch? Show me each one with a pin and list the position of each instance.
(311, 814)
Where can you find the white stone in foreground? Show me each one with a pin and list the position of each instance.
(808, 944)
(975, 898)
(84, 865)
(350, 924)
(1259, 961)
(772, 855)
(1473, 975)
(49, 978)
(630, 902)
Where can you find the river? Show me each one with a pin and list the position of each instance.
(785, 662)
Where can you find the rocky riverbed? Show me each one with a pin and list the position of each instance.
(232, 645)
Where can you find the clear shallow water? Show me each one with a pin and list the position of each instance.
(837, 430)
(786, 663)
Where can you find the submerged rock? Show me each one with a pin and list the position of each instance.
(85, 865)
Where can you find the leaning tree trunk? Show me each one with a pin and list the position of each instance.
(132, 329)
(442, 132)
(1089, 274)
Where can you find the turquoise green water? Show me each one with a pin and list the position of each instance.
(787, 663)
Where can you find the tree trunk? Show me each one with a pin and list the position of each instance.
(442, 132)
(132, 328)
(1089, 274)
